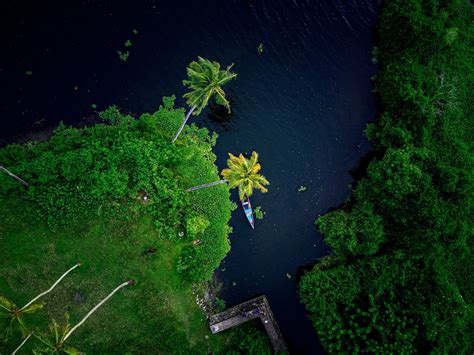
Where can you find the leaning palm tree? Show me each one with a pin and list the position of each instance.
(242, 173)
(205, 80)
(12, 315)
(54, 343)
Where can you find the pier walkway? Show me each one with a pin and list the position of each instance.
(243, 312)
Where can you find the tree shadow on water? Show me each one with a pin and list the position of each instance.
(219, 117)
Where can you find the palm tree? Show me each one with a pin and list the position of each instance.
(22, 343)
(53, 343)
(242, 173)
(10, 314)
(205, 80)
(58, 335)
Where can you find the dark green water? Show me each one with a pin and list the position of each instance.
(303, 105)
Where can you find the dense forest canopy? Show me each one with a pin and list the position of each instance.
(400, 277)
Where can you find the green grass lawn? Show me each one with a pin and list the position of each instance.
(158, 314)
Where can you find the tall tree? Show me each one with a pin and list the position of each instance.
(205, 80)
(55, 342)
(11, 314)
(242, 173)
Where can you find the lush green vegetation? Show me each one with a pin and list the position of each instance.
(113, 196)
(400, 279)
(249, 338)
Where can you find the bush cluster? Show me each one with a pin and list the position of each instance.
(128, 165)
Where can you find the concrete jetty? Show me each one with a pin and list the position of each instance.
(255, 308)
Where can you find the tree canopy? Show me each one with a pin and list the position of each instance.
(244, 173)
(205, 80)
(400, 279)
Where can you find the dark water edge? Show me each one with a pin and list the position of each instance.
(303, 105)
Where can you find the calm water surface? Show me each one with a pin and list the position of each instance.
(303, 105)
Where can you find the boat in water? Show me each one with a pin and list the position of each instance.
(247, 206)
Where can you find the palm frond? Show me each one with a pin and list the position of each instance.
(244, 174)
(12, 316)
(205, 79)
(53, 342)
(32, 308)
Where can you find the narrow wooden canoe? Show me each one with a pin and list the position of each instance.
(247, 206)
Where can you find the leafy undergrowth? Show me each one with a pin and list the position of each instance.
(249, 338)
(112, 197)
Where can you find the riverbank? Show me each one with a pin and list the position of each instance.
(400, 278)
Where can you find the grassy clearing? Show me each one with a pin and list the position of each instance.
(158, 314)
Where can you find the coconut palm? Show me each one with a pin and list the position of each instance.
(242, 173)
(54, 343)
(22, 343)
(12, 315)
(205, 80)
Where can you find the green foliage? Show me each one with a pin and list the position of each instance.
(393, 284)
(11, 317)
(112, 195)
(113, 115)
(205, 80)
(128, 43)
(80, 170)
(359, 232)
(96, 170)
(198, 262)
(165, 121)
(244, 173)
(219, 304)
(260, 48)
(53, 342)
(123, 56)
(248, 338)
(259, 214)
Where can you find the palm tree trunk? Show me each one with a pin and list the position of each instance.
(51, 288)
(131, 282)
(184, 123)
(13, 175)
(22, 343)
(207, 185)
